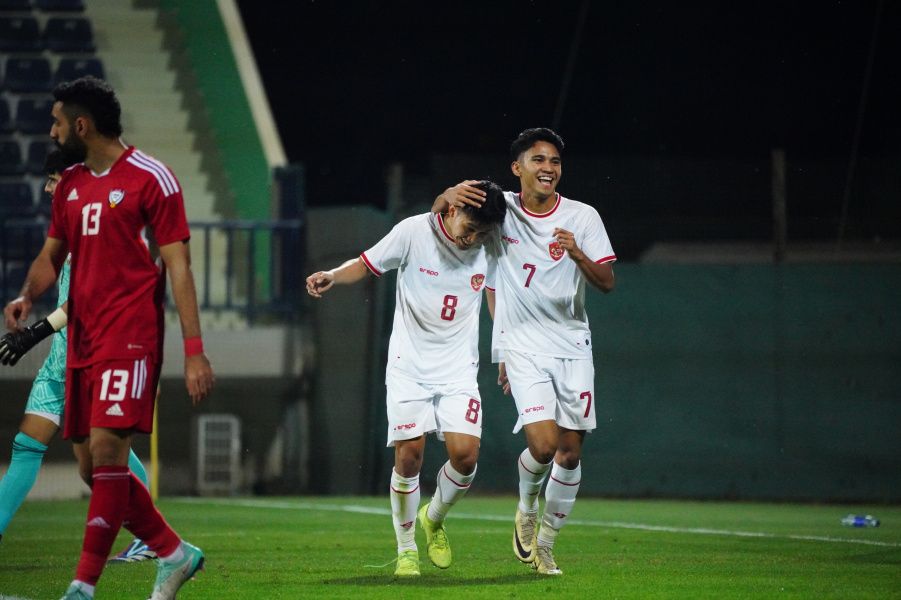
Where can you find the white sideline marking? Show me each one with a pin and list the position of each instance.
(605, 524)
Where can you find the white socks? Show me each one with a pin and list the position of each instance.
(404, 503)
(559, 496)
(531, 476)
(452, 485)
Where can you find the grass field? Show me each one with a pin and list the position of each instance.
(326, 548)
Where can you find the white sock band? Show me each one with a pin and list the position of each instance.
(404, 502)
(452, 485)
(559, 496)
(531, 476)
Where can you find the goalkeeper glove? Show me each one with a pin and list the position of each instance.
(13, 346)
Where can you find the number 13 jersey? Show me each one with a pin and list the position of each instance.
(435, 334)
(540, 290)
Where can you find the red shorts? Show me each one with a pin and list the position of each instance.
(116, 394)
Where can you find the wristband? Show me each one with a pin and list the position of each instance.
(193, 346)
(58, 319)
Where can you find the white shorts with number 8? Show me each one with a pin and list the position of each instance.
(552, 389)
(415, 408)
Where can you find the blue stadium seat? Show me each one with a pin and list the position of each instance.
(11, 158)
(15, 199)
(60, 5)
(26, 75)
(15, 4)
(69, 34)
(73, 68)
(37, 152)
(6, 120)
(20, 34)
(33, 116)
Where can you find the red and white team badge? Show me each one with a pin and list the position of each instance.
(477, 281)
(555, 250)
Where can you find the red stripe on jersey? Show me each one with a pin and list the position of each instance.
(443, 230)
(606, 259)
(368, 264)
(536, 215)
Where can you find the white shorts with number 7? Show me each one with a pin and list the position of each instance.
(415, 408)
(552, 389)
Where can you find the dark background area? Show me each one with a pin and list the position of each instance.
(356, 85)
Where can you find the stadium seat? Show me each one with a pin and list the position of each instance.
(6, 120)
(25, 75)
(37, 152)
(19, 34)
(60, 5)
(33, 116)
(69, 34)
(15, 199)
(73, 68)
(15, 5)
(11, 158)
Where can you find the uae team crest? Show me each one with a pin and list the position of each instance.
(555, 250)
(477, 281)
(115, 197)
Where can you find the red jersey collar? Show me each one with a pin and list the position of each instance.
(444, 231)
(542, 215)
(129, 150)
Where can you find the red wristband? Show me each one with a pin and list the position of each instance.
(193, 346)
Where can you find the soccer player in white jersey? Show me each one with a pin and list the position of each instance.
(433, 357)
(549, 247)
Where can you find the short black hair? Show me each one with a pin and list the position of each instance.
(55, 163)
(527, 139)
(493, 209)
(94, 98)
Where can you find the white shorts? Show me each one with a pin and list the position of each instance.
(552, 389)
(415, 409)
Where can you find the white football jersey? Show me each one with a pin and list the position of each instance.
(540, 291)
(439, 294)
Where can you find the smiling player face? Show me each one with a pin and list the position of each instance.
(466, 232)
(539, 170)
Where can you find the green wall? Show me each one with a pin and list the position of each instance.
(730, 382)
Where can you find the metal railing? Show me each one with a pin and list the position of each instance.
(251, 267)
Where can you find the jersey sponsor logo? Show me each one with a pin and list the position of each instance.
(532, 409)
(405, 427)
(509, 239)
(73, 195)
(115, 410)
(428, 271)
(555, 250)
(115, 197)
(477, 281)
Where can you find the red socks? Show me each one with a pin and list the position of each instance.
(109, 499)
(146, 523)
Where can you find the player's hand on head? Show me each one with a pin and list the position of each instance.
(320, 282)
(502, 378)
(15, 311)
(199, 378)
(464, 193)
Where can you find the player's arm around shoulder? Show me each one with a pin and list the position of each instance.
(350, 271)
(199, 376)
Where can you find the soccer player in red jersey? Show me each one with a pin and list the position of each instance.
(121, 215)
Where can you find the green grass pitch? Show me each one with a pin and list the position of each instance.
(332, 547)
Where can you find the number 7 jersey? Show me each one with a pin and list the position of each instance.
(540, 291)
(435, 334)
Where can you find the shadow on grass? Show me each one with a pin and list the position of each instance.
(429, 581)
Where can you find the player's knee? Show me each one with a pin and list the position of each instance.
(543, 451)
(568, 458)
(464, 462)
(408, 461)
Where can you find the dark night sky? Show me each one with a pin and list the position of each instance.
(356, 85)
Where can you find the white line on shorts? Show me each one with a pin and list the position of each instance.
(352, 508)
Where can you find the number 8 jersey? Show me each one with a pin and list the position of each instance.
(540, 291)
(435, 334)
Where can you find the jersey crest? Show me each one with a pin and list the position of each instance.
(477, 281)
(555, 250)
(115, 197)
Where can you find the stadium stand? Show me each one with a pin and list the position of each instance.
(59, 5)
(73, 68)
(20, 34)
(11, 158)
(15, 199)
(33, 115)
(6, 121)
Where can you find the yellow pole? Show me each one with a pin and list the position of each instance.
(154, 449)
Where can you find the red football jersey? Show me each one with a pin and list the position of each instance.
(117, 287)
